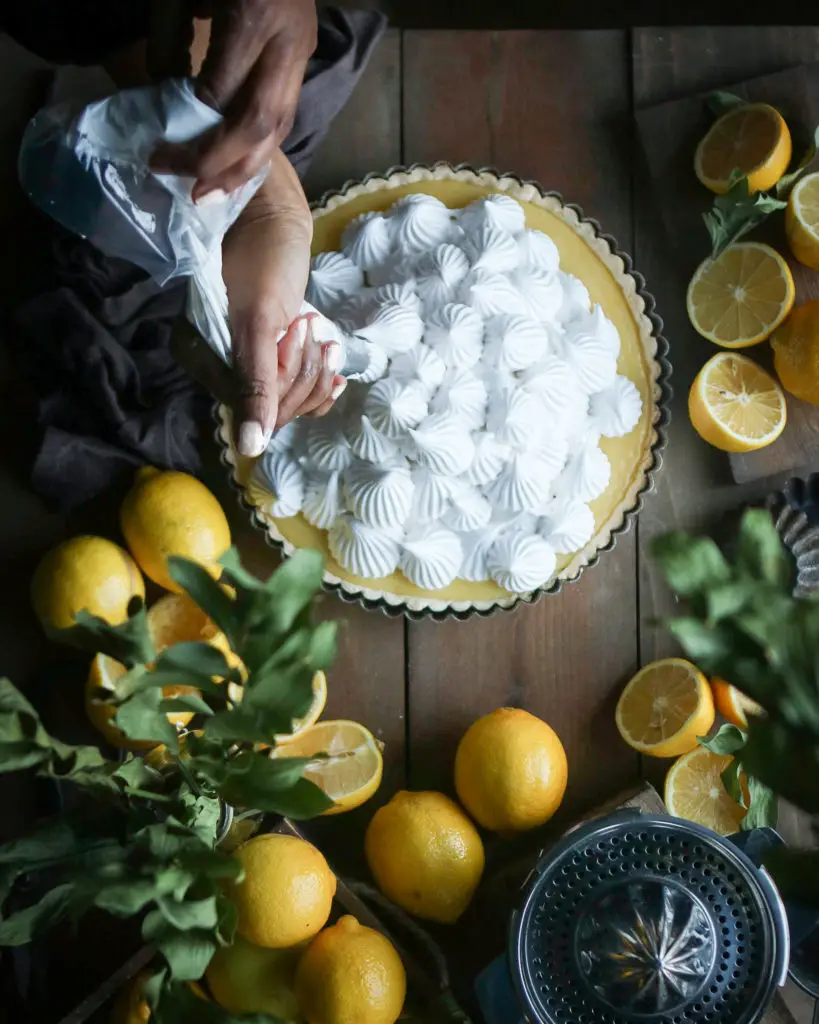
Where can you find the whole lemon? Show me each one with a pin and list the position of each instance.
(168, 513)
(510, 771)
(425, 855)
(351, 975)
(287, 891)
(795, 346)
(130, 1007)
(85, 574)
(244, 978)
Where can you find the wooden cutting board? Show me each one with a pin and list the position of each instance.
(669, 134)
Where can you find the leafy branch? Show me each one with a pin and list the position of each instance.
(738, 212)
(745, 625)
(149, 845)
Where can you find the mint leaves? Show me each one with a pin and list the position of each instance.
(737, 213)
(744, 625)
(145, 840)
(758, 800)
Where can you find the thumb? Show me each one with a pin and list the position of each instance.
(257, 367)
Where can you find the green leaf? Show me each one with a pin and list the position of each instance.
(198, 660)
(175, 1003)
(692, 565)
(707, 646)
(20, 928)
(135, 772)
(293, 586)
(129, 642)
(727, 599)
(731, 780)
(185, 702)
(720, 102)
(207, 593)
(174, 882)
(193, 914)
(232, 565)
(188, 954)
(727, 740)
(140, 718)
(127, 898)
(301, 801)
(763, 806)
(787, 181)
(736, 213)
(761, 553)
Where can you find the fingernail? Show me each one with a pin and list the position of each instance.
(211, 198)
(301, 332)
(333, 356)
(253, 440)
(338, 390)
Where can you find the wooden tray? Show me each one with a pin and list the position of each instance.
(670, 133)
(428, 993)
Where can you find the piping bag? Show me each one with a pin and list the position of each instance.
(88, 169)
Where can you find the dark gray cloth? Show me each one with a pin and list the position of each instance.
(94, 340)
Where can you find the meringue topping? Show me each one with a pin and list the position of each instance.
(470, 445)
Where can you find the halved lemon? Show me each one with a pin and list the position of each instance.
(735, 405)
(742, 296)
(665, 707)
(173, 619)
(694, 791)
(753, 141)
(795, 347)
(312, 716)
(733, 705)
(802, 220)
(352, 769)
(236, 693)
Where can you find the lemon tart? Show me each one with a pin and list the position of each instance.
(512, 420)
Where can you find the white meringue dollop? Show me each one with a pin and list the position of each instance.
(538, 252)
(616, 411)
(491, 455)
(567, 526)
(420, 364)
(332, 276)
(380, 495)
(323, 499)
(469, 510)
(521, 563)
(394, 327)
(498, 210)
(431, 557)
(492, 249)
(491, 294)
(455, 333)
(463, 394)
(443, 444)
(327, 447)
(282, 475)
(433, 494)
(394, 407)
(421, 221)
(367, 240)
(587, 474)
(516, 342)
(368, 443)
(363, 550)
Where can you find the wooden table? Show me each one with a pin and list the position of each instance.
(556, 107)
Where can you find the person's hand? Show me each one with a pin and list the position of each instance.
(266, 261)
(252, 74)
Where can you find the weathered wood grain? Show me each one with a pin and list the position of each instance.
(553, 107)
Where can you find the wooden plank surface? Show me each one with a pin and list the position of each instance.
(669, 133)
(553, 107)
(696, 491)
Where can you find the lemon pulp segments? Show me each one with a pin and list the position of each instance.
(752, 140)
(351, 771)
(665, 707)
(694, 790)
(735, 405)
(741, 297)
(802, 220)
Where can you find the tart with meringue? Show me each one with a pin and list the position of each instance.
(512, 419)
